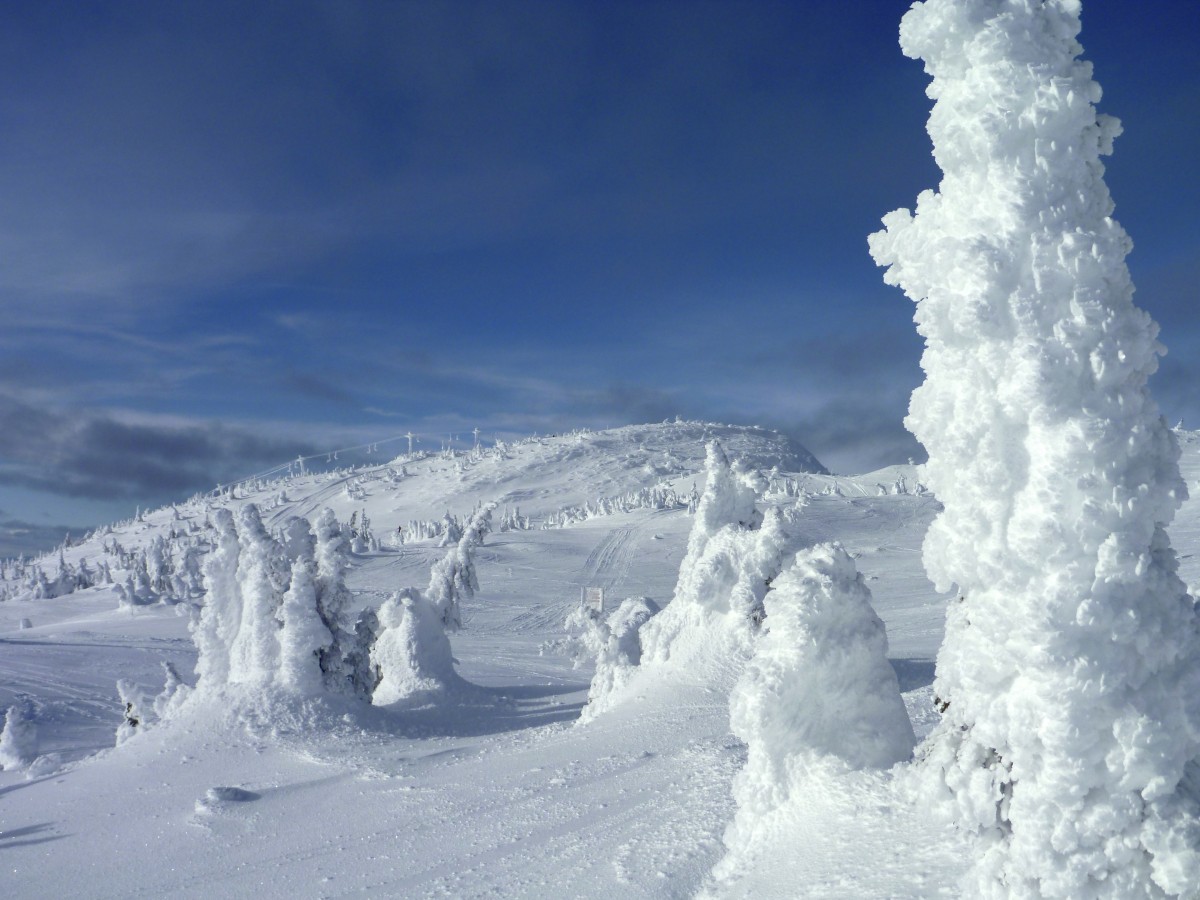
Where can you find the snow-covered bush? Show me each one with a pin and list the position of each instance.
(133, 700)
(818, 697)
(1070, 671)
(412, 652)
(618, 652)
(18, 740)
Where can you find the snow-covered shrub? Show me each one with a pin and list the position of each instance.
(818, 697)
(411, 654)
(618, 652)
(1070, 671)
(141, 709)
(18, 740)
(133, 701)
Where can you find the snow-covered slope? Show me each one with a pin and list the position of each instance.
(502, 792)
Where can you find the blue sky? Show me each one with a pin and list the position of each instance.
(236, 232)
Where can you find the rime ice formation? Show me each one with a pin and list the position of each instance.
(733, 553)
(817, 699)
(1071, 665)
(268, 623)
(615, 644)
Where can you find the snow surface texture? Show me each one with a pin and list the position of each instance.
(1070, 672)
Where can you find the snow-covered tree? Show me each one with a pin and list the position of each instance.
(221, 616)
(819, 686)
(303, 637)
(618, 650)
(1070, 672)
(411, 653)
(332, 561)
(452, 578)
(254, 654)
(451, 531)
(733, 554)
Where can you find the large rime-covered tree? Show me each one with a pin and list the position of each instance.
(1070, 672)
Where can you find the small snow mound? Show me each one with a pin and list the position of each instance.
(19, 740)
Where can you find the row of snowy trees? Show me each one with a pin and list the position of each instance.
(275, 615)
(660, 497)
(800, 625)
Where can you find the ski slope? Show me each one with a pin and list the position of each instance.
(501, 793)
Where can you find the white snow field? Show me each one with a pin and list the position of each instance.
(493, 788)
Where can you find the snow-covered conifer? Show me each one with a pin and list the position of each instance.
(453, 578)
(819, 684)
(297, 537)
(451, 531)
(332, 560)
(618, 650)
(359, 672)
(254, 654)
(733, 555)
(221, 616)
(1070, 671)
(304, 637)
